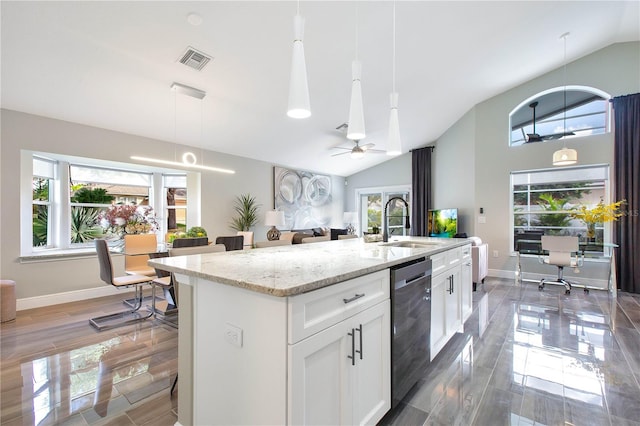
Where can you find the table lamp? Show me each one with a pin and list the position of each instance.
(274, 218)
(348, 218)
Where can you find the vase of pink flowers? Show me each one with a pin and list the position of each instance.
(124, 219)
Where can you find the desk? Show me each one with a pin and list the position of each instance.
(596, 252)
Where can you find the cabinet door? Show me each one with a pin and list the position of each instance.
(320, 378)
(453, 305)
(439, 291)
(372, 378)
(466, 288)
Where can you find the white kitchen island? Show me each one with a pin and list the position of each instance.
(290, 334)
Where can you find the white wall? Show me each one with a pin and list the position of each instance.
(30, 132)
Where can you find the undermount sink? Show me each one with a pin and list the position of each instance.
(412, 244)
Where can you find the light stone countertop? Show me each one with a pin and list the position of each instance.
(299, 268)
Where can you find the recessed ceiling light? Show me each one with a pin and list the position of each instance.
(194, 19)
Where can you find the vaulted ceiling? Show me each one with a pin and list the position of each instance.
(111, 65)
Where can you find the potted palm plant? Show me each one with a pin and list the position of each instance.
(247, 209)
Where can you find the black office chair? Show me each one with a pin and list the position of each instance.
(231, 243)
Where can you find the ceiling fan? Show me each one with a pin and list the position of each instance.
(358, 151)
(534, 137)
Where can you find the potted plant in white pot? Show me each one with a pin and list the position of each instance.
(246, 209)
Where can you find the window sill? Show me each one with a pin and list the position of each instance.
(58, 254)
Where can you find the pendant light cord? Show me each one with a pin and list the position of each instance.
(564, 92)
(393, 69)
(357, 30)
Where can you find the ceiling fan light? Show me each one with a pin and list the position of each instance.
(394, 144)
(355, 131)
(299, 105)
(565, 157)
(357, 153)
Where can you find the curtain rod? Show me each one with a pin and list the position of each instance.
(431, 147)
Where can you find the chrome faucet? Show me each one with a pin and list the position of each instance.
(407, 225)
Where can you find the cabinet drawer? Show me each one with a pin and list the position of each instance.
(440, 262)
(312, 312)
(465, 252)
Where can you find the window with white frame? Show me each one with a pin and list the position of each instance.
(558, 113)
(94, 189)
(69, 194)
(543, 200)
(175, 191)
(42, 192)
(371, 202)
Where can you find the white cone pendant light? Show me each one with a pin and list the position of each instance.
(355, 131)
(299, 106)
(394, 145)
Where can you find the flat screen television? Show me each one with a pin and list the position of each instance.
(442, 223)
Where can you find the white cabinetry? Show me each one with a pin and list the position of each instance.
(466, 283)
(339, 353)
(449, 286)
(341, 374)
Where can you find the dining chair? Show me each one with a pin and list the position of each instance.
(272, 243)
(126, 281)
(234, 242)
(137, 248)
(166, 281)
(169, 281)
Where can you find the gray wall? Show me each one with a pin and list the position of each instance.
(29, 132)
(396, 171)
(453, 162)
(472, 160)
(615, 70)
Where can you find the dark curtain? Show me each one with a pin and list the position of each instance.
(626, 231)
(421, 189)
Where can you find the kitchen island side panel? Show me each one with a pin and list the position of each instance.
(238, 379)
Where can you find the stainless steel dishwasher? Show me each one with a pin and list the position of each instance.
(410, 325)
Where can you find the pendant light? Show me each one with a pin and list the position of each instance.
(394, 144)
(355, 131)
(565, 156)
(299, 106)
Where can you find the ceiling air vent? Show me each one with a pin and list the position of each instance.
(194, 58)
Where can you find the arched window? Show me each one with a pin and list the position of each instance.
(551, 115)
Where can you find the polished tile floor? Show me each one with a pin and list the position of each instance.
(526, 357)
(57, 369)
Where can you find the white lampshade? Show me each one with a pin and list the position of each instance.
(355, 131)
(299, 106)
(394, 145)
(565, 157)
(274, 218)
(348, 217)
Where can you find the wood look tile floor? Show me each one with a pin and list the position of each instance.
(525, 357)
(530, 357)
(57, 369)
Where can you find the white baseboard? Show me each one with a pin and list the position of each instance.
(533, 277)
(66, 297)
